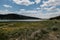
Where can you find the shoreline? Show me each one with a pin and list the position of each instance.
(22, 20)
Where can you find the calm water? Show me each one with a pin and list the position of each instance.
(22, 20)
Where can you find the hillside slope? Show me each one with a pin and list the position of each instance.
(15, 16)
(58, 17)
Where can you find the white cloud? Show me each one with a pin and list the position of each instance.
(39, 13)
(53, 8)
(7, 6)
(5, 12)
(37, 1)
(26, 2)
(23, 2)
(51, 3)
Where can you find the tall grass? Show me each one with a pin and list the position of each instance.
(43, 30)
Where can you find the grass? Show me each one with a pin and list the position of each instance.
(42, 30)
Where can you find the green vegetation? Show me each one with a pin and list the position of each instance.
(42, 30)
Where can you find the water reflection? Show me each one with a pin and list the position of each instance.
(23, 20)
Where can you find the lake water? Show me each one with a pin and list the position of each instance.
(21, 20)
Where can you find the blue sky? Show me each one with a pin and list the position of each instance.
(35, 8)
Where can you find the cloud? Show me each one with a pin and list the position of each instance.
(5, 12)
(50, 4)
(26, 2)
(37, 1)
(39, 13)
(23, 2)
(7, 6)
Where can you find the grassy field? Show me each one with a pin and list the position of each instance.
(42, 30)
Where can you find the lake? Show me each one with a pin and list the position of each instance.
(21, 20)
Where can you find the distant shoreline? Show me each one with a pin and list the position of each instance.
(21, 20)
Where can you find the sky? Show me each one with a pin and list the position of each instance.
(34, 8)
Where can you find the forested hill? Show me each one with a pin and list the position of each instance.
(16, 16)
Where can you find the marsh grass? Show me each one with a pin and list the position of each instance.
(42, 30)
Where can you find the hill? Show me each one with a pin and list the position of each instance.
(58, 17)
(15, 16)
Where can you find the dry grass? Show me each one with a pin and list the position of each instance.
(43, 30)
